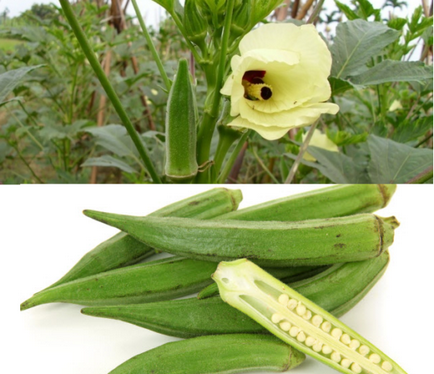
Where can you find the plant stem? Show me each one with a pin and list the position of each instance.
(263, 166)
(301, 152)
(228, 166)
(151, 46)
(108, 88)
(210, 116)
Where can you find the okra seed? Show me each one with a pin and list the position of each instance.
(276, 317)
(294, 331)
(345, 338)
(308, 315)
(364, 350)
(327, 350)
(386, 365)
(336, 333)
(285, 326)
(301, 337)
(354, 344)
(336, 356)
(326, 326)
(301, 309)
(356, 368)
(317, 347)
(346, 363)
(283, 299)
(291, 304)
(375, 358)
(310, 341)
(317, 320)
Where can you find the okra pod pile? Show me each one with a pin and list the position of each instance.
(326, 246)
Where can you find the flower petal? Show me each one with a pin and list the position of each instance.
(295, 117)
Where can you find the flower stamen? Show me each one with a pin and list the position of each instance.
(257, 91)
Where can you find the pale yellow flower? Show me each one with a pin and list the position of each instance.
(279, 81)
(396, 105)
(319, 140)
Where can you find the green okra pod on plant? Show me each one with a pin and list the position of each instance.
(215, 354)
(298, 321)
(273, 244)
(337, 289)
(122, 249)
(181, 164)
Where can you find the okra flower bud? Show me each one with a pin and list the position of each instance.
(194, 23)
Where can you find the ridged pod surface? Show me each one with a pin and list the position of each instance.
(337, 290)
(273, 244)
(298, 321)
(150, 281)
(215, 354)
(123, 250)
(335, 201)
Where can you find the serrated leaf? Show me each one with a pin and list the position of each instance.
(393, 71)
(357, 42)
(11, 78)
(339, 86)
(408, 131)
(392, 162)
(113, 138)
(108, 161)
(339, 167)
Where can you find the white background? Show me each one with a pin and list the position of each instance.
(43, 234)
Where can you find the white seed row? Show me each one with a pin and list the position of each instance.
(318, 346)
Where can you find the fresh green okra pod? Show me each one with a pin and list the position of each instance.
(335, 201)
(274, 244)
(215, 354)
(298, 321)
(337, 289)
(122, 249)
(150, 281)
(181, 165)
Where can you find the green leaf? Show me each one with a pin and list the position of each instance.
(339, 86)
(356, 43)
(11, 78)
(113, 138)
(109, 161)
(397, 23)
(59, 131)
(408, 131)
(349, 13)
(338, 167)
(394, 71)
(392, 162)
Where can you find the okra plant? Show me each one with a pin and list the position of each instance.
(261, 82)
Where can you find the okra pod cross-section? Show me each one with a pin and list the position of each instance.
(298, 321)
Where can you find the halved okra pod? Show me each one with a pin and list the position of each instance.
(298, 321)
(122, 249)
(274, 244)
(337, 289)
(150, 281)
(215, 354)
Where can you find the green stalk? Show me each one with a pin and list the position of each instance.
(151, 46)
(210, 118)
(300, 154)
(108, 88)
(228, 166)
